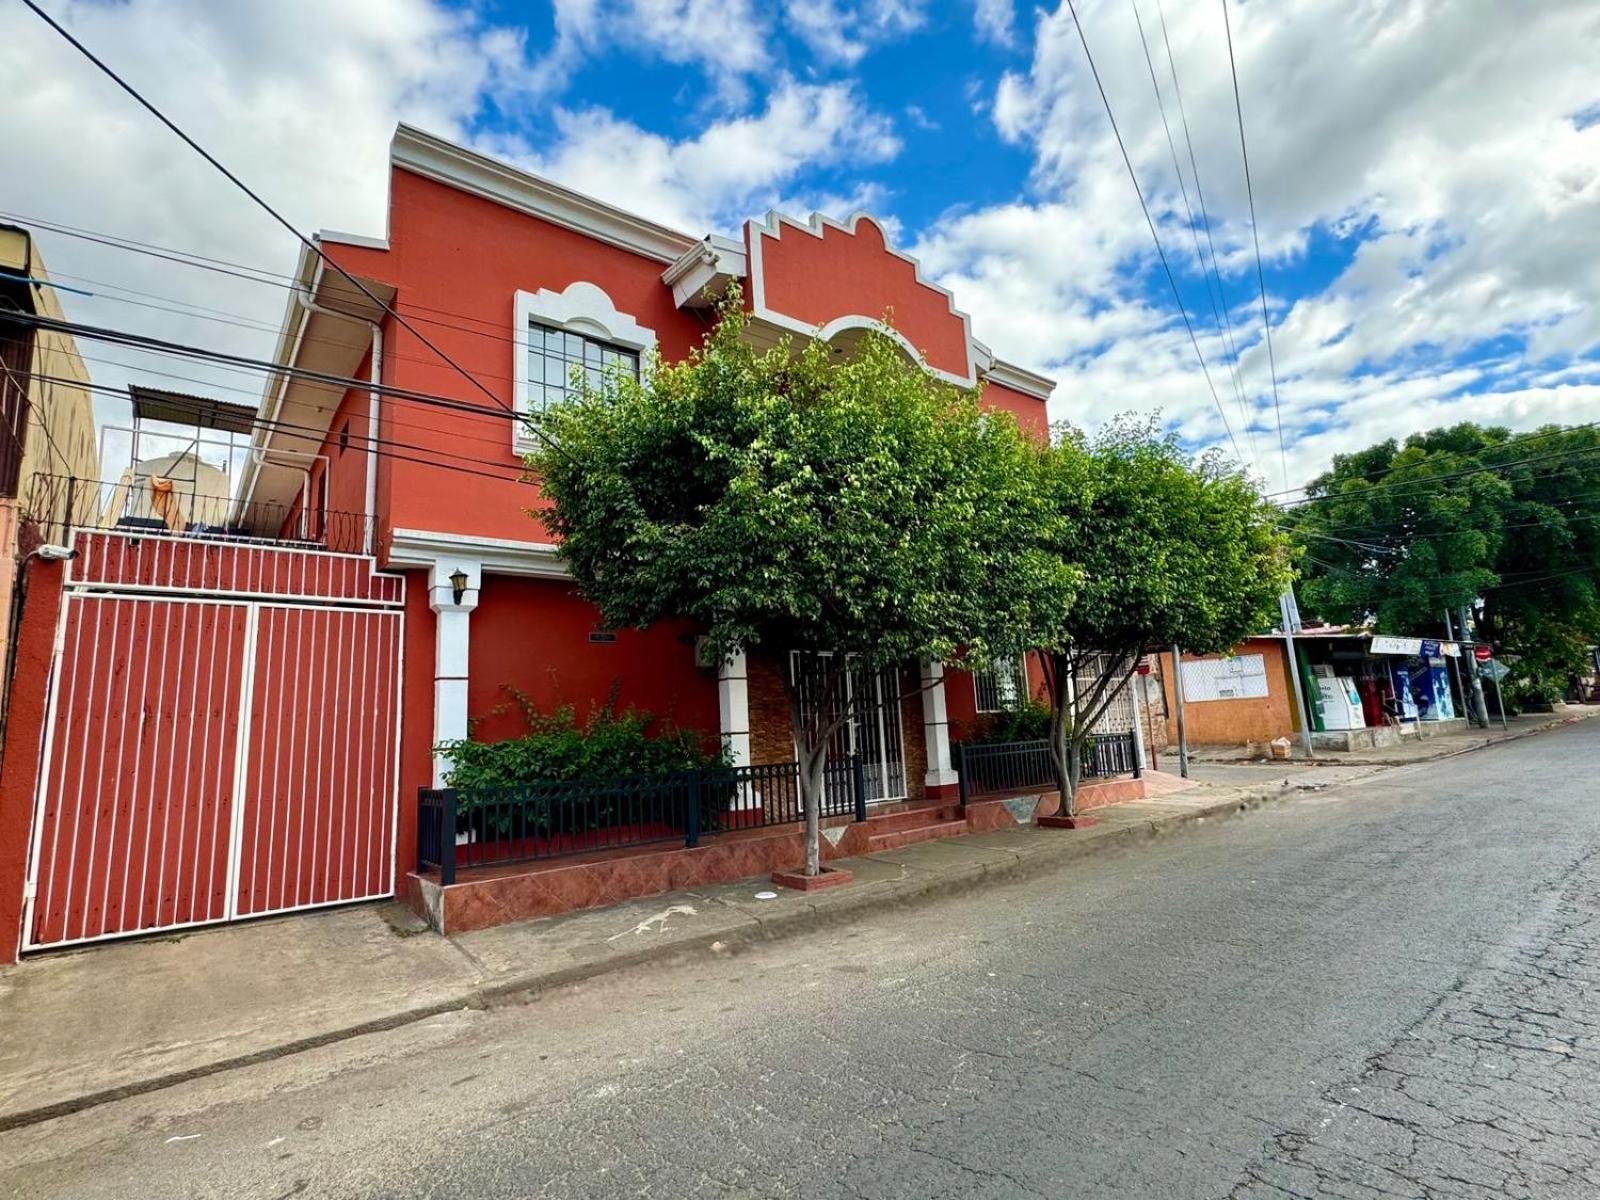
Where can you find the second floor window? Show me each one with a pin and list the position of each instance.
(555, 354)
(1002, 686)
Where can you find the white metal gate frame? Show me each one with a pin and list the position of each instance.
(253, 603)
(883, 737)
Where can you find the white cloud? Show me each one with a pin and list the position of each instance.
(302, 98)
(844, 33)
(726, 38)
(299, 97)
(994, 20)
(735, 167)
(1444, 135)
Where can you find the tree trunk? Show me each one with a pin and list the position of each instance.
(1062, 740)
(812, 750)
(812, 780)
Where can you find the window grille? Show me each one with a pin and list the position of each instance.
(1002, 686)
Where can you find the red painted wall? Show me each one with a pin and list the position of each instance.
(24, 736)
(1029, 410)
(533, 635)
(416, 716)
(817, 279)
(458, 261)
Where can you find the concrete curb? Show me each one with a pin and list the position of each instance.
(1484, 743)
(839, 907)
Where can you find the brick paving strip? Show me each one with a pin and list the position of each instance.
(90, 1026)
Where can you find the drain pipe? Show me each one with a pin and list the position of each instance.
(375, 379)
(375, 384)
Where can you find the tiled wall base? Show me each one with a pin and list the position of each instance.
(496, 896)
(481, 898)
(1005, 812)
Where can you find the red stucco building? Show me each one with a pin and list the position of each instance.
(394, 485)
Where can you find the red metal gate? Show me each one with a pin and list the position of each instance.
(210, 756)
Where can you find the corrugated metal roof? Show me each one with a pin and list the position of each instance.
(182, 408)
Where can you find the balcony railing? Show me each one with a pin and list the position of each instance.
(157, 507)
(998, 768)
(492, 827)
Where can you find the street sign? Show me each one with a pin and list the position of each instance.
(1495, 670)
(1383, 643)
(1483, 653)
(1144, 666)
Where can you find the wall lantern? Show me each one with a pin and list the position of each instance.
(458, 584)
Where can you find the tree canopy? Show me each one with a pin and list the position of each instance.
(1467, 516)
(1173, 551)
(790, 499)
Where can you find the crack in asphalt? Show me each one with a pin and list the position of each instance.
(1507, 1053)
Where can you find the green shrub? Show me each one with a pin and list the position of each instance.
(1030, 723)
(557, 746)
(513, 787)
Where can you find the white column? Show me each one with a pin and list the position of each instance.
(1137, 697)
(733, 699)
(936, 727)
(451, 647)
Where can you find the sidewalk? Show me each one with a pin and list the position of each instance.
(88, 1026)
(1411, 751)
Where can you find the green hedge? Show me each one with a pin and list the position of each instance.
(557, 746)
(1030, 723)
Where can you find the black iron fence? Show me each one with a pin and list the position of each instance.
(994, 768)
(153, 507)
(490, 827)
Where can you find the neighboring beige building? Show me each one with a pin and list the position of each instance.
(175, 490)
(49, 460)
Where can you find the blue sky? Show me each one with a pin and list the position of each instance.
(1427, 176)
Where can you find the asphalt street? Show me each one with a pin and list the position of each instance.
(1385, 988)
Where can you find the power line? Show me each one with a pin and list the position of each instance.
(1255, 235)
(493, 330)
(344, 382)
(1183, 189)
(308, 243)
(1435, 593)
(1399, 532)
(217, 386)
(384, 447)
(1519, 438)
(219, 316)
(1148, 220)
(1412, 486)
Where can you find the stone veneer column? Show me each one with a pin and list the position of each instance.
(940, 779)
(450, 643)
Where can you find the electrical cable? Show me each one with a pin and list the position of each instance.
(1155, 237)
(308, 243)
(1255, 235)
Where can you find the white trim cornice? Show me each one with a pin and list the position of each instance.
(501, 556)
(703, 273)
(1020, 379)
(432, 157)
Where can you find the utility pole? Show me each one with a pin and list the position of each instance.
(1479, 705)
(1291, 624)
(1177, 704)
(1455, 671)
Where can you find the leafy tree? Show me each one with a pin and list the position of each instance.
(1467, 516)
(1171, 550)
(785, 499)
